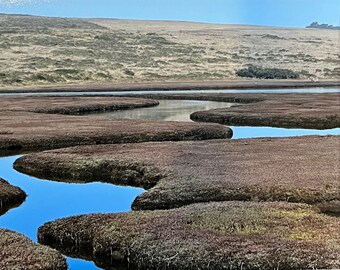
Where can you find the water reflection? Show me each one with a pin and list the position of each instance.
(261, 132)
(226, 91)
(168, 110)
(180, 110)
(48, 200)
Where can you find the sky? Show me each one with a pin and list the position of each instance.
(289, 13)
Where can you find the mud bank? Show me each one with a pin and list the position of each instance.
(315, 111)
(10, 196)
(19, 252)
(300, 169)
(225, 235)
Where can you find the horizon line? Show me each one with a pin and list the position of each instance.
(155, 20)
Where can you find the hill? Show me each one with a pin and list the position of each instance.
(42, 50)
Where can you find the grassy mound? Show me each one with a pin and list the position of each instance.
(313, 111)
(22, 131)
(302, 169)
(228, 235)
(31, 123)
(20, 253)
(73, 105)
(10, 196)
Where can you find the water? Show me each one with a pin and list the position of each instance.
(180, 110)
(167, 110)
(48, 200)
(253, 91)
(261, 132)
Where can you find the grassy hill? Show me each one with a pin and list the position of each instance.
(42, 50)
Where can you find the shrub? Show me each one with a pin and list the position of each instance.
(267, 73)
(129, 72)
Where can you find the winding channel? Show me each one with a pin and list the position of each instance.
(48, 200)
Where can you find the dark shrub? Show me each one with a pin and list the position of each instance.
(129, 72)
(267, 73)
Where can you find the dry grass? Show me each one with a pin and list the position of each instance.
(10, 196)
(37, 50)
(301, 169)
(17, 252)
(228, 235)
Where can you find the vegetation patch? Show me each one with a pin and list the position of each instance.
(20, 253)
(10, 196)
(33, 123)
(267, 73)
(269, 36)
(74, 105)
(225, 235)
(243, 170)
(312, 111)
(36, 131)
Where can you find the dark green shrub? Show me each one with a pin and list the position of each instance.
(129, 72)
(267, 73)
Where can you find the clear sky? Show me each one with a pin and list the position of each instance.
(291, 13)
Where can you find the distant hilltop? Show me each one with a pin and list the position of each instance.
(323, 26)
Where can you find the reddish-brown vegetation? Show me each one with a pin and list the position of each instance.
(10, 196)
(72, 104)
(212, 236)
(25, 124)
(314, 111)
(302, 169)
(20, 253)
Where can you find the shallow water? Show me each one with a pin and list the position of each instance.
(48, 200)
(167, 110)
(180, 110)
(288, 90)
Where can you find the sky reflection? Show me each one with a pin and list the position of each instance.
(48, 200)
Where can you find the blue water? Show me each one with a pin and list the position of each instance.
(260, 132)
(48, 200)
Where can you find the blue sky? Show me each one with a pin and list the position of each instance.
(291, 13)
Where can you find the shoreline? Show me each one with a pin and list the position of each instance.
(171, 86)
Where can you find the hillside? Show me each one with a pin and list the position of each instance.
(42, 50)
